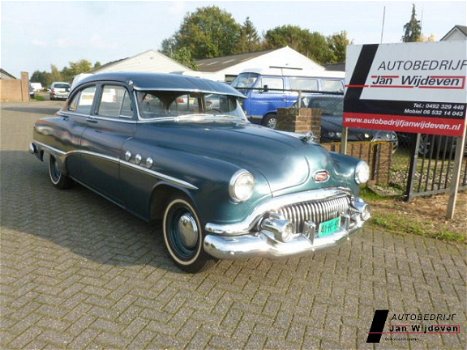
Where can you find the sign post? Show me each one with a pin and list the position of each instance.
(411, 88)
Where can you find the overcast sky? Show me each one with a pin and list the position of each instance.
(37, 34)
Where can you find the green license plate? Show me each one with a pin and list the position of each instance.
(327, 228)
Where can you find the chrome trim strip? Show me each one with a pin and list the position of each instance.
(50, 148)
(202, 91)
(273, 204)
(156, 174)
(128, 120)
(160, 175)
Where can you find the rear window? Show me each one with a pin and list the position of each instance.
(82, 101)
(62, 86)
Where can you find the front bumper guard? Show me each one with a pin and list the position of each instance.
(271, 243)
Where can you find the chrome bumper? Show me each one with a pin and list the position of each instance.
(271, 242)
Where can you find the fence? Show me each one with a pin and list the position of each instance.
(423, 165)
(15, 90)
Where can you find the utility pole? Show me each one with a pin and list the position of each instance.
(382, 27)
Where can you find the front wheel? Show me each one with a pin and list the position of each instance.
(183, 235)
(57, 177)
(270, 120)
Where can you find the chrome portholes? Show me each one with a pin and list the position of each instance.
(127, 155)
(149, 162)
(138, 158)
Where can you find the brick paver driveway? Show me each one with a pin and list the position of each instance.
(78, 272)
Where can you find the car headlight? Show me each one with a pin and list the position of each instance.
(241, 185)
(385, 136)
(362, 172)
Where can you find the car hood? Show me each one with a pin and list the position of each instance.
(283, 160)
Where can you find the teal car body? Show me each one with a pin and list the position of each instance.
(180, 149)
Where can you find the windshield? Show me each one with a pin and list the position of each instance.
(160, 104)
(329, 106)
(245, 80)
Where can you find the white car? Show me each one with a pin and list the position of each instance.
(59, 90)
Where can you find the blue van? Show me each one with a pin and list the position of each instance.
(269, 89)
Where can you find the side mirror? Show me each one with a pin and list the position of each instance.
(265, 88)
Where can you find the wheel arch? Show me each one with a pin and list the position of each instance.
(161, 193)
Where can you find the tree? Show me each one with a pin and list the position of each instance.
(338, 44)
(75, 68)
(41, 77)
(55, 74)
(208, 32)
(249, 40)
(412, 29)
(310, 44)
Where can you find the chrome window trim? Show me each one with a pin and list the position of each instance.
(273, 204)
(217, 92)
(128, 121)
(154, 173)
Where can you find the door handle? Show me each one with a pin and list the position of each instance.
(91, 120)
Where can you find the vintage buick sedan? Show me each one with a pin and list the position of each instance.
(179, 150)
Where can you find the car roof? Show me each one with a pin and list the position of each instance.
(164, 82)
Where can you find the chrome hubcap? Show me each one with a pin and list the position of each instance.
(188, 230)
(272, 123)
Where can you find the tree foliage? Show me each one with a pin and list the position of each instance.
(212, 32)
(66, 74)
(208, 32)
(311, 44)
(338, 44)
(412, 29)
(249, 40)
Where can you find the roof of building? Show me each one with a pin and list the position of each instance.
(4, 74)
(218, 63)
(339, 67)
(164, 82)
(144, 61)
(462, 29)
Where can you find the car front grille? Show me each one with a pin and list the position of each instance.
(317, 211)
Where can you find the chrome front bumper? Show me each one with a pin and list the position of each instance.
(270, 242)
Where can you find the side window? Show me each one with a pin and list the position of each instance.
(333, 85)
(303, 84)
(73, 106)
(85, 99)
(115, 102)
(273, 83)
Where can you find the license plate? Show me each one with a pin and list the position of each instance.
(329, 227)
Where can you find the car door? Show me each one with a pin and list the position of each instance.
(111, 122)
(269, 97)
(69, 128)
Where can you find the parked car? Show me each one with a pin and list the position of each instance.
(36, 86)
(332, 109)
(31, 91)
(266, 90)
(221, 186)
(59, 90)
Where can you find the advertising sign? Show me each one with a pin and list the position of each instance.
(407, 87)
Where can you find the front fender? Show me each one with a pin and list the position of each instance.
(344, 167)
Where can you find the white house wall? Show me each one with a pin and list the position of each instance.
(285, 57)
